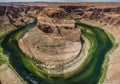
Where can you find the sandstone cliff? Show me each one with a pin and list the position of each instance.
(56, 39)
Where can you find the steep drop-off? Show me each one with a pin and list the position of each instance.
(55, 43)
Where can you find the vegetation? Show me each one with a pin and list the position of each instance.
(88, 73)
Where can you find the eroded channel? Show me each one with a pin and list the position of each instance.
(89, 72)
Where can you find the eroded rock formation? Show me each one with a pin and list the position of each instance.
(56, 39)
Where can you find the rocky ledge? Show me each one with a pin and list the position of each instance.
(56, 39)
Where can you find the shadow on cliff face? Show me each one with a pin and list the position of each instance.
(0, 82)
(45, 28)
(2, 10)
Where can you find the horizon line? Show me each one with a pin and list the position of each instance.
(57, 1)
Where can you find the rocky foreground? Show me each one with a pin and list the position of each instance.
(55, 40)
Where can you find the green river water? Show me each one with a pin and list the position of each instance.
(89, 72)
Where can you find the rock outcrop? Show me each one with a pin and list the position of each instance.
(56, 28)
(56, 39)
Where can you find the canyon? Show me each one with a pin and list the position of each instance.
(56, 40)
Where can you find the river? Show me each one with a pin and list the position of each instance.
(88, 73)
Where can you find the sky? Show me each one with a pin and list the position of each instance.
(59, 0)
